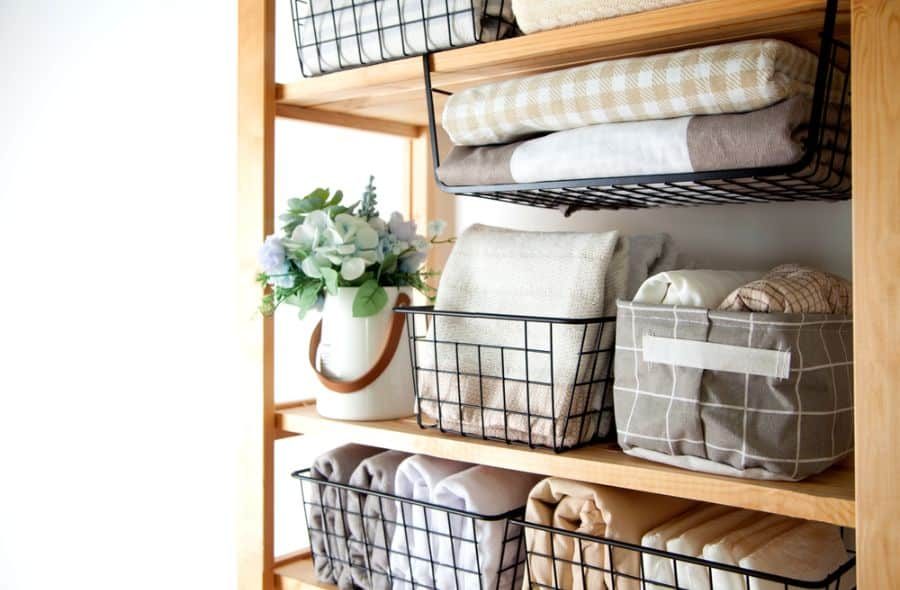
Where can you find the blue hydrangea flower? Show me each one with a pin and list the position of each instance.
(412, 261)
(404, 231)
(272, 255)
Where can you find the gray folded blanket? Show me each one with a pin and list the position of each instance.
(327, 527)
(370, 522)
(772, 136)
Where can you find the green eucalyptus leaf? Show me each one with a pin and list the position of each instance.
(389, 264)
(370, 299)
(331, 280)
(308, 297)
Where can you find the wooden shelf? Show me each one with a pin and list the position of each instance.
(827, 497)
(297, 573)
(393, 91)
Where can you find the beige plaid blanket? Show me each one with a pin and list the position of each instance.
(730, 78)
(791, 288)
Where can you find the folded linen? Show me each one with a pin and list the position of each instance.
(772, 136)
(337, 34)
(659, 572)
(791, 288)
(543, 15)
(809, 552)
(736, 545)
(411, 551)
(370, 522)
(729, 78)
(693, 288)
(579, 276)
(327, 505)
(613, 513)
(478, 547)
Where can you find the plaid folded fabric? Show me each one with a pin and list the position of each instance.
(729, 78)
(736, 423)
(791, 288)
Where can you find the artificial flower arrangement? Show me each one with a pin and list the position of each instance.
(325, 245)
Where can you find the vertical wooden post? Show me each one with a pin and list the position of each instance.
(876, 287)
(256, 127)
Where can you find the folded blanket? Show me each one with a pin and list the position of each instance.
(326, 505)
(542, 15)
(692, 542)
(661, 570)
(693, 288)
(371, 31)
(791, 288)
(487, 491)
(370, 522)
(613, 513)
(736, 545)
(730, 78)
(410, 554)
(808, 552)
(772, 136)
(496, 270)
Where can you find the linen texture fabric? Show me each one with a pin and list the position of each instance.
(735, 423)
(543, 15)
(729, 78)
(791, 288)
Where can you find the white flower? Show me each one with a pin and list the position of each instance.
(436, 228)
(353, 268)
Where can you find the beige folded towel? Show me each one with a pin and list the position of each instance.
(791, 288)
(736, 545)
(808, 552)
(662, 569)
(543, 15)
(612, 513)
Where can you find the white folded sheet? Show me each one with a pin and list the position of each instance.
(371, 31)
(417, 478)
(488, 491)
(693, 288)
(692, 542)
(662, 569)
(809, 552)
(736, 545)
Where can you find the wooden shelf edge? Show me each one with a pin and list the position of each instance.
(296, 572)
(828, 497)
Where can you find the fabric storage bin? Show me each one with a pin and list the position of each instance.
(540, 381)
(598, 562)
(756, 395)
(389, 541)
(334, 35)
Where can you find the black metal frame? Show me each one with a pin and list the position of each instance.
(465, 530)
(818, 176)
(587, 417)
(354, 42)
(611, 547)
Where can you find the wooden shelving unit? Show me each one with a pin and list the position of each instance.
(389, 98)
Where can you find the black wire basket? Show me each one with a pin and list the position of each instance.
(822, 173)
(598, 560)
(332, 35)
(541, 381)
(362, 538)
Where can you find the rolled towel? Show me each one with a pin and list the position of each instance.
(487, 491)
(612, 513)
(370, 521)
(327, 505)
(730, 78)
(736, 545)
(791, 288)
(543, 15)
(411, 556)
(693, 288)
(809, 552)
(692, 542)
(661, 570)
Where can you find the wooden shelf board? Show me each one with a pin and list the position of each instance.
(393, 91)
(827, 497)
(297, 573)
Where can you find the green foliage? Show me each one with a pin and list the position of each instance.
(369, 201)
(319, 199)
(369, 300)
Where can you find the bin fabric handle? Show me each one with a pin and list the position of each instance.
(717, 357)
(384, 359)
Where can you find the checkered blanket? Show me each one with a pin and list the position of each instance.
(729, 78)
(736, 423)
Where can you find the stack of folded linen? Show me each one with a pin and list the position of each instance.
(734, 106)
(337, 34)
(756, 541)
(378, 541)
(467, 384)
(543, 15)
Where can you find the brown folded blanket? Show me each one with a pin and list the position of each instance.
(791, 288)
(612, 513)
(772, 136)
